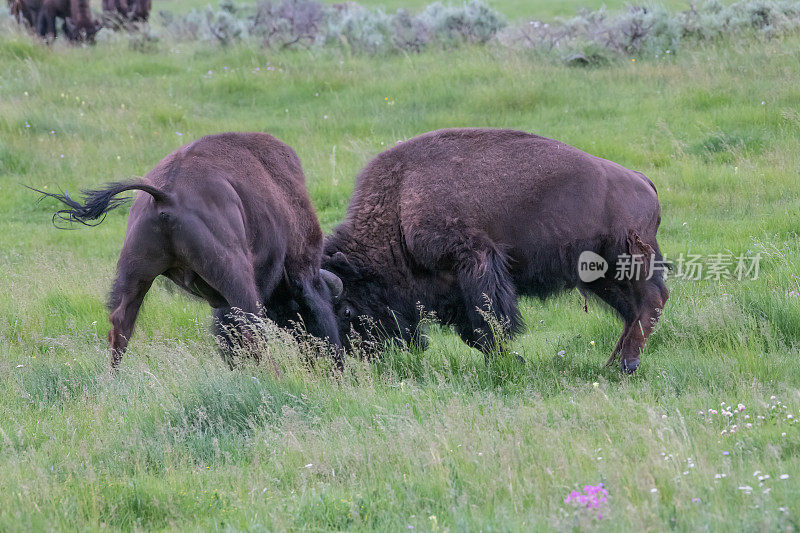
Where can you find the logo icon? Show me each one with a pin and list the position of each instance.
(591, 266)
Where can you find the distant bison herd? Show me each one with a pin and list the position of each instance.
(453, 224)
(78, 22)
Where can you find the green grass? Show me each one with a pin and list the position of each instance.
(434, 440)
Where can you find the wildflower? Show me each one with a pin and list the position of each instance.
(562, 353)
(740, 407)
(179, 134)
(653, 490)
(309, 465)
(591, 342)
(695, 500)
(784, 476)
(595, 384)
(726, 453)
(592, 497)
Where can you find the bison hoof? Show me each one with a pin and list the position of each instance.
(629, 367)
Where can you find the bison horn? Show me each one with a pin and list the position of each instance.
(334, 283)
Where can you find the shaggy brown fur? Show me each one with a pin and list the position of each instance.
(139, 10)
(228, 219)
(120, 12)
(115, 13)
(462, 220)
(25, 10)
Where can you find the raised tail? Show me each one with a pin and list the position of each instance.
(96, 203)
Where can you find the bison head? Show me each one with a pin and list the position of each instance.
(84, 32)
(364, 305)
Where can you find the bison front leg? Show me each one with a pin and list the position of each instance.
(46, 23)
(489, 297)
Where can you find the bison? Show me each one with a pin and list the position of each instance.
(228, 219)
(41, 15)
(118, 12)
(115, 12)
(461, 221)
(139, 10)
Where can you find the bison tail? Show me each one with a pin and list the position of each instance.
(96, 203)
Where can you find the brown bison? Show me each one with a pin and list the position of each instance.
(461, 221)
(139, 10)
(228, 219)
(117, 12)
(42, 15)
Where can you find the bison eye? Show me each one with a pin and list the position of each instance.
(347, 312)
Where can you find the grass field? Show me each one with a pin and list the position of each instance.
(432, 441)
(512, 9)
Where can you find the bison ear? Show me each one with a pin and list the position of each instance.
(333, 282)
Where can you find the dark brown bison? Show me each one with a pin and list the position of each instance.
(115, 13)
(139, 10)
(25, 10)
(460, 221)
(119, 12)
(42, 15)
(228, 219)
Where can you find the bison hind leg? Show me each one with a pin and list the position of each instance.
(639, 303)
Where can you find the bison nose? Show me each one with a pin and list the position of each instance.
(630, 366)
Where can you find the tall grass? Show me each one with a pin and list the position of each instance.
(432, 440)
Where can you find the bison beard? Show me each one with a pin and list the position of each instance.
(228, 219)
(462, 221)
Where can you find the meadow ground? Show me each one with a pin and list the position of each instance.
(512, 9)
(430, 441)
